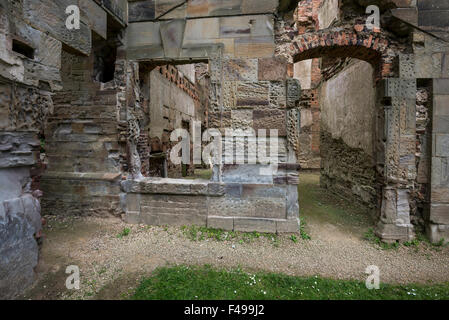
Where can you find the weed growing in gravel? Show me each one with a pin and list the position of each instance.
(124, 233)
(196, 233)
(294, 238)
(420, 239)
(372, 237)
(302, 231)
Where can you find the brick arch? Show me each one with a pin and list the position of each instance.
(367, 46)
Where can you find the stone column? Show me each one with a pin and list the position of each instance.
(400, 167)
(438, 224)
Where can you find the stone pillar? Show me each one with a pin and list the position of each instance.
(400, 165)
(438, 224)
(20, 219)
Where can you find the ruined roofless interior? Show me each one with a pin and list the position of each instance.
(108, 108)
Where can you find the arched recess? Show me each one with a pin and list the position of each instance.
(371, 47)
(392, 93)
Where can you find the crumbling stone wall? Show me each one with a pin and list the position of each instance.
(388, 50)
(174, 104)
(81, 143)
(348, 120)
(28, 73)
(248, 84)
(308, 72)
(421, 191)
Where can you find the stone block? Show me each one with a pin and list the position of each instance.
(216, 189)
(132, 217)
(392, 232)
(247, 173)
(403, 207)
(230, 207)
(96, 17)
(223, 223)
(252, 94)
(265, 191)
(434, 18)
(287, 226)
(162, 219)
(199, 188)
(440, 194)
(52, 20)
(141, 10)
(428, 65)
(445, 65)
(392, 87)
(269, 208)
(441, 105)
(440, 124)
(163, 6)
(408, 88)
(242, 119)
(257, 47)
(439, 213)
(254, 224)
(220, 8)
(143, 34)
(240, 69)
(406, 66)
(410, 15)
(278, 94)
(220, 119)
(18, 250)
(433, 5)
(292, 202)
(14, 207)
(442, 145)
(272, 69)
(234, 190)
(198, 8)
(437, 232)
(293, 92)
(259, 6)
(32, 210)
(172, 34)
(202, 29)
(271, 119)
(441, 86)
(133, 202)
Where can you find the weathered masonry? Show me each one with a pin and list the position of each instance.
(84, 113)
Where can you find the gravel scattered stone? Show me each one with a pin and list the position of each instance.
(117, 264)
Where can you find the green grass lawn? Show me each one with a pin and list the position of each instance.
(206, 283)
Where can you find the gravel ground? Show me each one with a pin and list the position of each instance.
(111, 267)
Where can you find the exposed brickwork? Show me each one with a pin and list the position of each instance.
(173, 75)
(343, 42)
(306, 16)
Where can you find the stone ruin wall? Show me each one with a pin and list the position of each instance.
(348, 121)
(248, 90)
(245, 53)
(173, 103)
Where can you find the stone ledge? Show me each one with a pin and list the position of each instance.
(173, 186)
(105, 176)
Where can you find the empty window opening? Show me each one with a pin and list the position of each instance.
(23, 48)
(105, 55)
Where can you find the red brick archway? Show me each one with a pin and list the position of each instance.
(371, 47)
